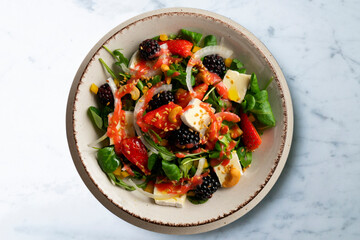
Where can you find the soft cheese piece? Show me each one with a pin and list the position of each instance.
(172, 202)
(196, 117)
(237, 85)
(221, 170)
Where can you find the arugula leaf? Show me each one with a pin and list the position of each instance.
(236, 65)
(108, 69)
(95, 117)
(215, 101)
(108, 160)
(164, 153)
(119, 182)
(120, 57)
(214, 154)
(210, 40)
(191, 36)
(172, 171)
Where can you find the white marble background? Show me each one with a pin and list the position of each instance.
(317, 44)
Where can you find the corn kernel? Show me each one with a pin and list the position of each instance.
(195, 49)
(149, 187)
(117, 171)
(165, 68)
(228, 62)
(206, 164)
(163, 37)
(94, 89)
(124, 174)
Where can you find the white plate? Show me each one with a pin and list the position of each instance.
(226, 205)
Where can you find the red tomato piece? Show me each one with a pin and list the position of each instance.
(135, 151)
(183, 97)
(160, 117)
(179, 47)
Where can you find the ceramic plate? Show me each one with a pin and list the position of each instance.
(226, 205)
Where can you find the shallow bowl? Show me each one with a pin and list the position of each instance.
(226, 205)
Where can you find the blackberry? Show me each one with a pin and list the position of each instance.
(185, 137)
(149, 49)
(214, 63)
(209, 185)
(105, 95)
(161, 99)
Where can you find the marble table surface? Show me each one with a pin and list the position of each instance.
(317, 44)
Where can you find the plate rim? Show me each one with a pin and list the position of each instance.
(214, 223)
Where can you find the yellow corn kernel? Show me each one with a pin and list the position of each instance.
(228, 62)
(94, 89)
(165, 68)
(195, 49)
(168, 80)
(149, 188)
(206, 164)
(124, 174)
(117, 171)
(145, 89)
(163, 37)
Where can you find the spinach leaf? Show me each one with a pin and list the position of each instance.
(191, 36)
(172, 171)
(108, 159)
(254, 86)
(104, 112)
(210, 40)
(185, 166)
(196, 201)
(248, 103)
(215, 101)
(214, 154)
(119, 182)
(152, 160)
(156, 38)
(95, 117)
(257, 102)
(262, 109)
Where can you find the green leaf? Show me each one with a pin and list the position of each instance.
(119, 182)
(214, 154)
(172, 171)
(245, 157)
(210, 40)
(108, 69)
(156, 38)
(108, 159)
(164, 153)
(172, 36)
(185, 166)
(104, 112)
(152, 160)
(262, 109)
(254, 86)
(196, 201)
(95, 117)
(248, 103)
(121, 58)
(191, 36)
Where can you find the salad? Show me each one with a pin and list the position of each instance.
(180, 119)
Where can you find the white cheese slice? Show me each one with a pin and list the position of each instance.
(237, 85)
(178, 201)
(196, 117)
(221, 170)
(129, 126)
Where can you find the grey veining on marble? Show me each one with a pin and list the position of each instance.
(317, 44)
